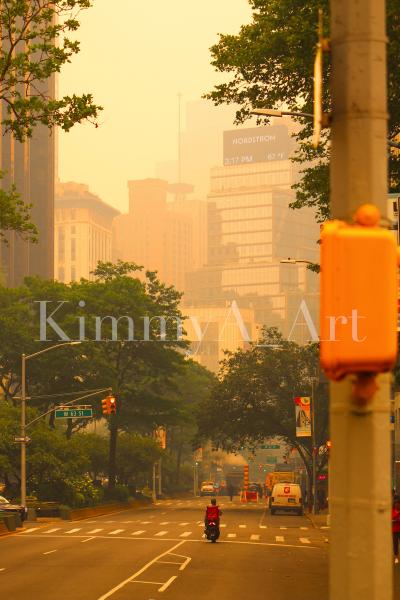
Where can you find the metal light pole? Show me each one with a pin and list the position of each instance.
(360, 503)
(23, 441)
(314, 457)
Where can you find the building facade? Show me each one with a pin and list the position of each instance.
(251, 229)
(163, 229)
(83, 232)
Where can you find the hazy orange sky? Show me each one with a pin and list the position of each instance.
(136, 56)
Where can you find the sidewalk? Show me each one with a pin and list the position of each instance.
(319, 521)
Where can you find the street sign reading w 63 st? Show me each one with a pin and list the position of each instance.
(73, 413)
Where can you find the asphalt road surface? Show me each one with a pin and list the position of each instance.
(159, 551)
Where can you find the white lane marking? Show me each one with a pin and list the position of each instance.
(30, 529)
(116, 531)
(231, 535)
(167, 583)
(305, 541)
(51, 530)
(87, 540)
(3, 569)
(165, 523)
(145, 522)
(50, 552)
(262, 526)
(254, 537)
(279, 538)
(282, 527)
(223, 525)
(183, 523)
(74, 530)
(303, 527)
(95, 530)
(133, 577)
(186, 534)
(138, 532)
(160, 533)
(242, 526)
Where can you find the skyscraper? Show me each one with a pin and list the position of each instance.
(251, 229)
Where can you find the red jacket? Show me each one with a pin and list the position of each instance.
(213, 513)
(395, 520)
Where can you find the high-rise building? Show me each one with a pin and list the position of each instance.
(30, 167)
(251, 228)
(163, 230)
(83, 232)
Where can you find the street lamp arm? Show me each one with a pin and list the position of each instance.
(67, 404)
(27, 356)
(270, 112)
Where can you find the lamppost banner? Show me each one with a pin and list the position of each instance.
(303, 416)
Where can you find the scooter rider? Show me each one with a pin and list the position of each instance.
(213, 513)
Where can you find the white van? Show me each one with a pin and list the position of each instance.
(286, 497)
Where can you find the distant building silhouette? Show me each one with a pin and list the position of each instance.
(83, 232)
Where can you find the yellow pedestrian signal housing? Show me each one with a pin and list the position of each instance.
(112, 405)
(358, 296)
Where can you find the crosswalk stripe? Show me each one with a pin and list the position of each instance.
(223, 525)
(145, 522)
(262, 526)
(242, 526)
(52, 530)
(29, 530)
(138, 532)
(305, 541)
(183, 523)
(165, 523)
(254, 537)
(116, 531)
(231, 535)
(160, 533)
(74, 530)
(95, 530)
(282, 527)
(279, 538)
(186, 534)
(303, 527)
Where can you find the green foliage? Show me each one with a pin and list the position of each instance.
(270, 64)
(34, 46)
(253, 399)
(153, 382)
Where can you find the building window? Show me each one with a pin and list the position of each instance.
(73, 229)
(72, 214)
(61, 274)
(73, 273)
(61, 244)
(73, 249)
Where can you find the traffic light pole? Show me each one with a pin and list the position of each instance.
(361, 552)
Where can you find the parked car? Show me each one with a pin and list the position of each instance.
(207, 488)
(7, 507)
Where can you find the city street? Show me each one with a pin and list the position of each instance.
(160, 549)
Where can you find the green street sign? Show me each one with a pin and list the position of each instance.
(271, 447)
(74, 413)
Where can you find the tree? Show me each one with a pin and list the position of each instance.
(270, 63)
(34, 46)
(254, 398)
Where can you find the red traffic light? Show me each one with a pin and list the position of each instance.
(112, 405)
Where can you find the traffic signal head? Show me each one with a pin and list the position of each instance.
(112, 405)
(105, 406)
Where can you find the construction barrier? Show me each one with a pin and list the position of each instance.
(247, 496)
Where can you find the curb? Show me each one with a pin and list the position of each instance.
(78, 514)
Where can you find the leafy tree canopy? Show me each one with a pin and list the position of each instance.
(253, 399)
(270, 65)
